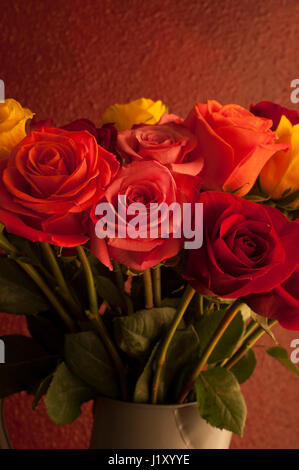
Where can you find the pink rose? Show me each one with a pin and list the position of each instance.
(144, 182)
(168, 142)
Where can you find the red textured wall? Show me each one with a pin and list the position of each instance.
(72, 58)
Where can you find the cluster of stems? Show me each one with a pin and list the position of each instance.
(152, 286)
(153, 298)
(64, 291)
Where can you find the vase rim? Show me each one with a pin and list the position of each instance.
(146, 405)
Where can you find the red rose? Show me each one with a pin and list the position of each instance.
(144, 182)
(105, 136)
(36, 125)
(280, 304)
(234, 144)
(168, 142)
(248, 248)
(50, 181)
(81, 125)
(274, 111)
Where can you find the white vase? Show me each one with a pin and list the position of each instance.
(124, 425)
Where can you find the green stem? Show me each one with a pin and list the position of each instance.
(148, 289)
(118, 275)
(7, 246)
(252, 325)
(226, 321)
(251, 340)
(121, 287)
(48, 252)
(3, 426)
(35, 276)
(157, 285)
(210, 308)
(91, 288)
(64, 289)
(31, 271)
(97, 321)
(103, 333)
(185, 301)
(201, 304)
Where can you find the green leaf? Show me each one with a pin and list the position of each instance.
(87, 357)
(135, 334)
(26, 364)
(65, 396)
(282, 356)
(137, 293)
(130, 271)
(286, 192)
(171, 282)
(182, 357)
(108, 291)
(180, 361)
(257, 198)
(75, 277)
(142, 393)
(244, 367)
(4, 244)
(170, 302)
(289, 200)
(41, 390)
(29, 251)
(98, 268)
(48, 334)
(256, 194)
(226, 345)
(235, 191)
(18, 294)
(220, 400)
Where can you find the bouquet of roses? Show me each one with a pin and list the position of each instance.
(148, 255)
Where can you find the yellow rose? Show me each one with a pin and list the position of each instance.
(142, 111)
(13, 119)
(280, 176)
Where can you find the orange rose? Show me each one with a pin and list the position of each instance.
(234, 144)
(49, 183)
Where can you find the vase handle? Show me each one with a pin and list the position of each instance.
(4, 439)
